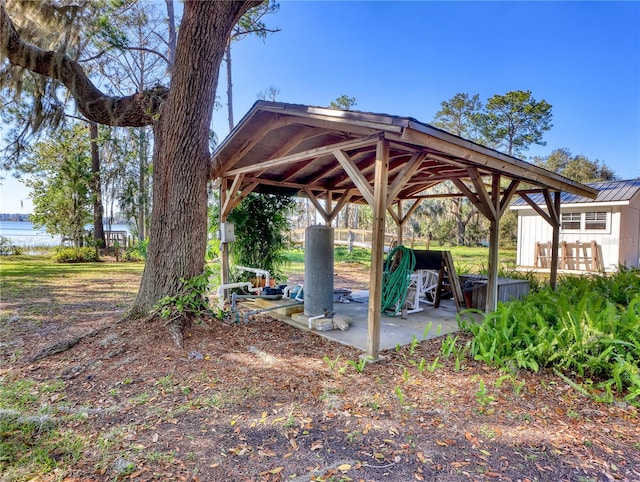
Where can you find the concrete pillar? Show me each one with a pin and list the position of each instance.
(318, 270)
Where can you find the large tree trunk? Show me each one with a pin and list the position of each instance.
(142, 185)
(96, 187)
(181, 116)
(181, 155)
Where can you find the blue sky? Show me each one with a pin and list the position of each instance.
(405, 58)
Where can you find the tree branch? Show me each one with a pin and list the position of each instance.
(131, 111)
(262, 31)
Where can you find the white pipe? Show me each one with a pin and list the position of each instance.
(221, 288)
(257, 271)
(314, 318)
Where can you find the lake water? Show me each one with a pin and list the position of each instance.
(25, 235)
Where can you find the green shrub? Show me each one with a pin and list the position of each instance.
(261, 229)
(7, 248)
(588, 329)
(192, 299)
(137, 252)
(64, 254)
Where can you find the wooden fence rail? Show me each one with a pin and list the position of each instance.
(361, 238)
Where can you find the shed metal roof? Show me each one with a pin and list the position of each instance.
(618, 192)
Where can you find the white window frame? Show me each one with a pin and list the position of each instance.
(581, 218)
(573, 217)
(597, 219)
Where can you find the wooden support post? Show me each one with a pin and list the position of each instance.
(377, 248)
(328, 203)
(401, 224)
(554, 211)
(492, 281)
(224, 247)
(581, 256)
(494, 231)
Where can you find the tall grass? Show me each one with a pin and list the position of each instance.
(587, 330)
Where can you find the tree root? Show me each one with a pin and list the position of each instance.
(59, 347)
(65, 345)
(176, 326)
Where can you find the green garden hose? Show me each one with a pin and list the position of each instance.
(398, 269)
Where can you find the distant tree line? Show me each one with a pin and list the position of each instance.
(510, 123)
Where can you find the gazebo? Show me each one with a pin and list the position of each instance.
(389, 162)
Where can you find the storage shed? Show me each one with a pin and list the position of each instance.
(595, 234)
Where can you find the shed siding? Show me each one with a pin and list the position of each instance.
(630, 237)
(532, 228)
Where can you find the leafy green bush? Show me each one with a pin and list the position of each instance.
(261, 227)
(136, 252)
(7, 248)
(63, 254)
(192, 299)
(589, 329)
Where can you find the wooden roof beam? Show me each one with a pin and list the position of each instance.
(356, 175)
(555, 216)
(230, 196)
(408, 170)
(413, 193)
(334, 167)
(335, 120)
(327, 215)
(234, 199)
(216, 165)
(401, 219)
(472, 197)
(394, 165)
(482, 195)
(304, 155)
(433, 179)
(288, 184)
(288, 146)
(507, 195)
(512, 167)
(536, 208)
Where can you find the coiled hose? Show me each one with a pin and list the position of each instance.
(398, 268)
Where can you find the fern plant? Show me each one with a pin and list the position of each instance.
(588, 329)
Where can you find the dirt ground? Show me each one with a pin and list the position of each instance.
(264, 401)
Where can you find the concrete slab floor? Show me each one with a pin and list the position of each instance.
(393, 329)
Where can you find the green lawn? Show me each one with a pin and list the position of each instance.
(20, 275)
(40, 266)
(468, 259)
